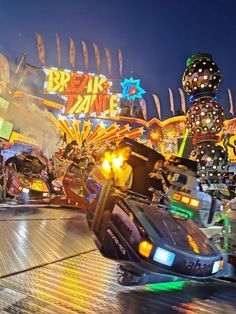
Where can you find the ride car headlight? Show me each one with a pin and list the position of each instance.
(164, 257)
(45, 194)
(25, 190)
(216, 266)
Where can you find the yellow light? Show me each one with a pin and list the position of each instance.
(194, 203)
(221, 263)
(106, 166)
(176, 197)
(145, 248)
(193, 244)
(20, 188)
(185, 199)
(117, 162)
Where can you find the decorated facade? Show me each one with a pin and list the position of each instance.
(87, 108)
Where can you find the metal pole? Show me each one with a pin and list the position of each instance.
(100, 208)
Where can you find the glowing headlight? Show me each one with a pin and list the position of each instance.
(164, 257)
(117, 162)
(217, 266)
(25, 190)
(45, 194)
(106, 166)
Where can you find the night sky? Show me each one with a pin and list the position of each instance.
(155, 36)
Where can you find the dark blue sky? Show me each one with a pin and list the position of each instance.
(156, 37)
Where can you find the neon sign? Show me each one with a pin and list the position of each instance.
(83, 92)
(131, 89)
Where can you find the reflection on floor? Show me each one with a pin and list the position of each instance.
(70, 276)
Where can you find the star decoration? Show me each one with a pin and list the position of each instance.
(131, 89)
(102, 125)
(116, 126)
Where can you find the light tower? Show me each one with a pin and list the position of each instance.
(205, 118)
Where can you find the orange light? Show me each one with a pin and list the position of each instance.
(185, 199)
(221, 263)
(193, 244)
(20, 188)
(176, 197)
(145, 248)
(194, 203)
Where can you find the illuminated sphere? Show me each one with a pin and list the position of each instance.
(205, 119)
(212, 159)
(201, 76)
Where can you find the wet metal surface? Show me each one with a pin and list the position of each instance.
(85, 283)
(40, 236)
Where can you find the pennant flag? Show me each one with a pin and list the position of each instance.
(108, 56)
(4, 69)
(72, 52)
(231, 103)
(85, 53)
(158, 106)
(41, 48)
(183, 105)
(172, 105)
(120, 58)
(58, 49)
(143, 107)
(97, 56)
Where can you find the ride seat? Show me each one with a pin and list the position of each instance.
(213, 210)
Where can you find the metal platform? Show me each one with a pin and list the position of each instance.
(33, 237)
(66, 274)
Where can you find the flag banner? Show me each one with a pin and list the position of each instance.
(72, 52)
(172, 105)
(108, 57)
(85, 53)
(4, 69)
(41, 48)
(143, 107)
(158, 106)
(183, 105)
(231, 103)
(97, 56)
(120, 59)
(58, 50)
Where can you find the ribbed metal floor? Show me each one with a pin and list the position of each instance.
(34, 237)
(85, 283)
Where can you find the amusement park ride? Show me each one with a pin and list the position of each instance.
(159, 239)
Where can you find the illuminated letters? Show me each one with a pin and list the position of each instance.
(85, 93)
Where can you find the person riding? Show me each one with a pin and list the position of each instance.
(160, 182)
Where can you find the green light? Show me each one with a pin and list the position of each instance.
(166, 286)
(188, 62)
(183, 144)
(181, 211)
(176, 212)
(226, 229)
